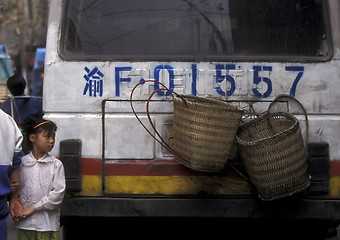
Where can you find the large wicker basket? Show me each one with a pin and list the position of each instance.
(204, 131)
(274, 155)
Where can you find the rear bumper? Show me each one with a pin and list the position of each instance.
(315, 209)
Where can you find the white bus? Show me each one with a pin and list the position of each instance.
(247, 52)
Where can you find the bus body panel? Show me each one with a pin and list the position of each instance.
(89, 101)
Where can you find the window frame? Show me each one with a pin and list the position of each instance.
(67, 56)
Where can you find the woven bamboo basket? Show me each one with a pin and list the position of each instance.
(274, 155)
(204, 131)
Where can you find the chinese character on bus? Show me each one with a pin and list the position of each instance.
(94, 82)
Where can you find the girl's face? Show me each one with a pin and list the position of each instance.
(43, 142)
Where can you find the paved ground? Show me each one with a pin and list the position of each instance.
(12, 231)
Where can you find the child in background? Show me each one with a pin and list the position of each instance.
(42, 182)
(23, 107)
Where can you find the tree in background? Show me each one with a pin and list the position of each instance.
(23, 28)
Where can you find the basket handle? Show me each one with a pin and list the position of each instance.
(161, 140)
(303, 109)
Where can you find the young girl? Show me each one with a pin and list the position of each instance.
(42, 182)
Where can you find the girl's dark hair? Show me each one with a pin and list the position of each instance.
(36, 126)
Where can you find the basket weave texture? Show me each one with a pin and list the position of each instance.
(274, 155)
(204, 131)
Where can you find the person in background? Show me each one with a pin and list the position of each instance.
(22, 107)
(10, 159)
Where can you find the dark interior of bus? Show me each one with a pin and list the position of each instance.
(194, 28)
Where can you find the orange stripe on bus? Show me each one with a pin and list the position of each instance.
(334, 168)
(91, 166)
(157, 167)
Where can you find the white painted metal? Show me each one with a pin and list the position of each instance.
(79, 116)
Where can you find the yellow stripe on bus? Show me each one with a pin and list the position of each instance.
(334, 186)
(173, 185)
(91, 185)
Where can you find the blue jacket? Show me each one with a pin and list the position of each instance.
(10, 150)
(23, 107)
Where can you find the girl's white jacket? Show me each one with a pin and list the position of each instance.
(42, 185)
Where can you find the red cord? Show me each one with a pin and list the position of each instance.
(162, 142)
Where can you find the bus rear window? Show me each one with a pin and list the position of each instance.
(194, 29)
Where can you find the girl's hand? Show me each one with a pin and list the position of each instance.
(25, 212)
(14, 207)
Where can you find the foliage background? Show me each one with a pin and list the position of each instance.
(23, 28)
